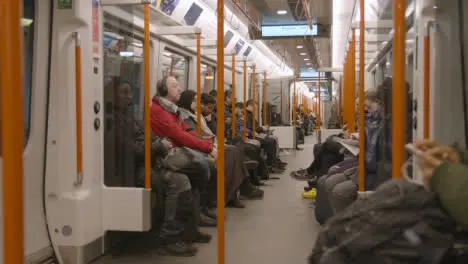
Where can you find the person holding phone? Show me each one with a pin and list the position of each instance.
(445, 171)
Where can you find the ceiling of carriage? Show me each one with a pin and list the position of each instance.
(302, 52)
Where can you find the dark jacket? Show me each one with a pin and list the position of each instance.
(250, 123)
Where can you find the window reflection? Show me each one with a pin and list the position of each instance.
(175, 65)
(123, 102)
(208, 78)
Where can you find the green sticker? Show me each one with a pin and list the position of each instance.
(65, 4)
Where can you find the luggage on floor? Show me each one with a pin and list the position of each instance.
(382, 229)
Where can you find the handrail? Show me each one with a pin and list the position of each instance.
(245, 99)
(294, 105)
(427, 80)
(352, 49)
(78, 112)
(361, 100)
(399, 88)
(254, 93)
(220, 134)
(199, 83)
(12, 131)
(319, 99)
(146, 58)
(233, 102)
(264, 98)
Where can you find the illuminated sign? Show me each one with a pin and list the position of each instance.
(299, 30)
(310, 73)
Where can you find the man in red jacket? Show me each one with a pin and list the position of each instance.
(165, 121)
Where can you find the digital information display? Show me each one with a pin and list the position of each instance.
(305, 73)
(299, 30)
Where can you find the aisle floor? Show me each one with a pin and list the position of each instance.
(279, 229)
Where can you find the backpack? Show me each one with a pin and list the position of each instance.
(384, 163)
(381, 228)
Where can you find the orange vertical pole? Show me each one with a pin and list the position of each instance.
(12, 130)
(399, 88)
(346, 91)
(147, 98)
(78, 112)
(319, 117)
(427, 98)
(199, 83)
(361, 100)
(254, 93)
(294, 105)
(220, 133)
(352, 49)
(233, 104)
(245, 100)
(264, 99)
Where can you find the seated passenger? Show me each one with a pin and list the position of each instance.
(234, 164)
(166, 122)
(445, 171)
(268, 143)
(179, 228)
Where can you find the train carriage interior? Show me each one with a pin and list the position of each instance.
(233, 131)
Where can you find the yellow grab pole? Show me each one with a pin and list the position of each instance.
(346, 92)
(294, 105)
(319, 99)
(399, 88)
(254, 94)
(245, 100)
(146, 58)
(233, 104)
(199, 83)
(352, 49)
(12, 130)
(264, 99)
(361, 100)
(78, 112)
(427, 98)
(220, 132)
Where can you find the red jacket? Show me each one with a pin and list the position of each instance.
(167, 124)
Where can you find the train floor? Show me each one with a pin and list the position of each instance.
(279, 229)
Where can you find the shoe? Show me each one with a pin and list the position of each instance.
(206, 221)
(203, 238)
(178, 249)
(300, 175)
(251, 192)
(310, 194)
(235, 203)
(275, 170)
(209, 212)
(298, 148)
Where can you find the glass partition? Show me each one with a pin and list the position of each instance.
(176, 65)
(123, 103)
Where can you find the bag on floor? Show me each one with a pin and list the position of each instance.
(381, 228)
(323, 209)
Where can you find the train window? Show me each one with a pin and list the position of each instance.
(175, 65)
(123, 103)
(208, 78)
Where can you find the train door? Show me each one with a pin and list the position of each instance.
(36, 45)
